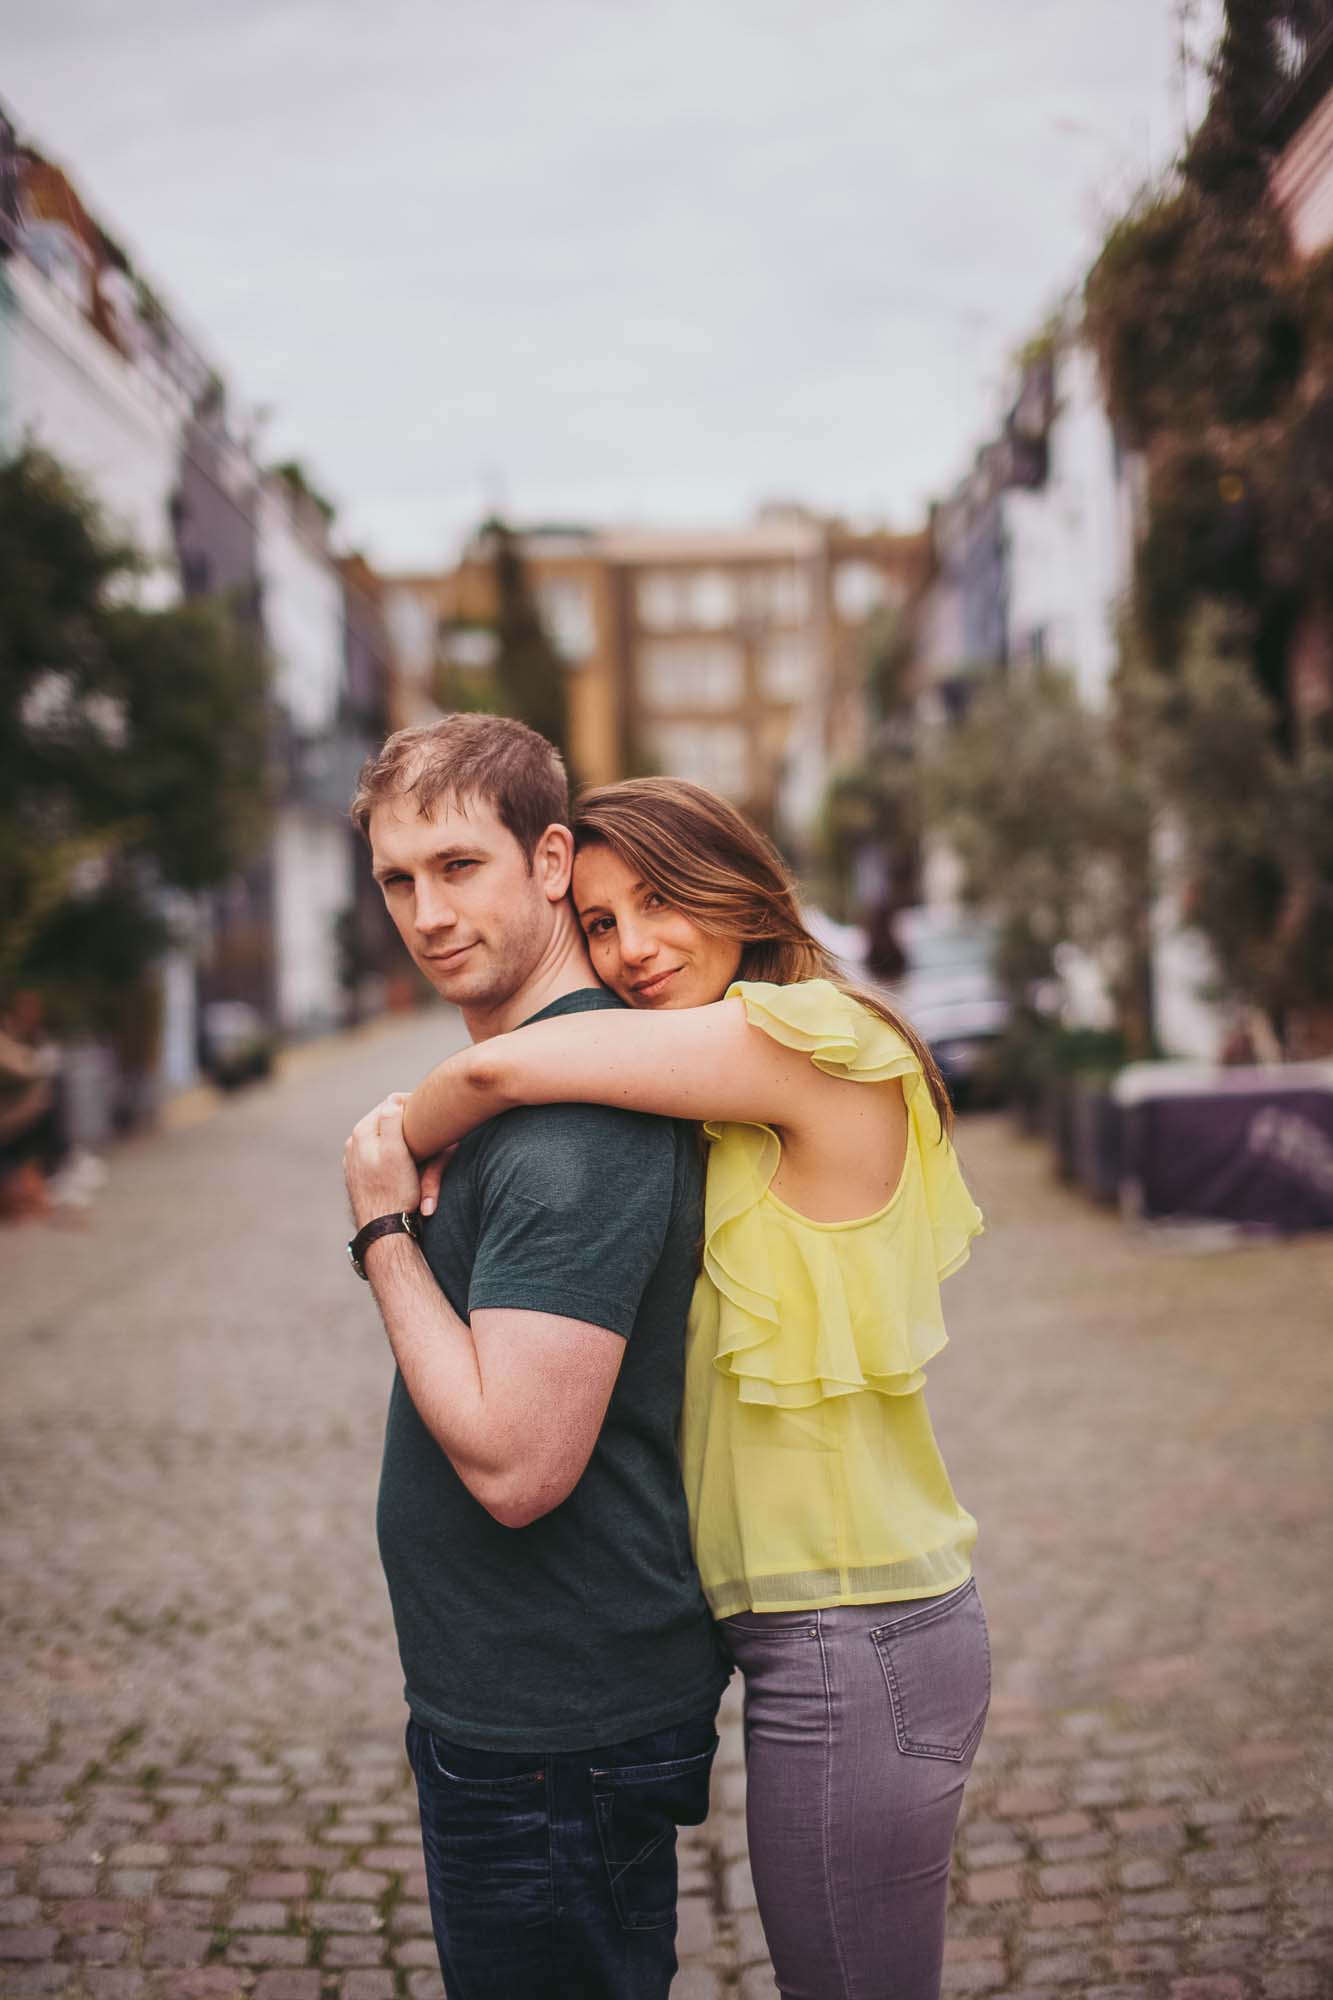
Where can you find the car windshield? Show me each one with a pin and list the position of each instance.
(941, 951)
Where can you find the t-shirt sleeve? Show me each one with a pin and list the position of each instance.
(575, 1203)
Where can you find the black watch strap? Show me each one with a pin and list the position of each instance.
(402, 1224)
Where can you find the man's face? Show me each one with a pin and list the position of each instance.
(469, 910)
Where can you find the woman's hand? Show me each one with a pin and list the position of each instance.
(432, 1175)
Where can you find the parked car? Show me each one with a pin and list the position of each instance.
(236, 1043)
(950, 995)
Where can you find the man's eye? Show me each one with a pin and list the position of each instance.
(453, 867)
(391, 881)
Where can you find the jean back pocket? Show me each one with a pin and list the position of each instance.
(936, 1664)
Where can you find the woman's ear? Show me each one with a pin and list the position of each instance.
(553, 862)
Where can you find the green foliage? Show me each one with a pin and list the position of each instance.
(1205, 540)
(1035, 1049)
(1194, 313)
(192, 781)
(1046, 806)
(1216, 343)
(294, 475)
(1019, 788)
(890, 670)
(529, 672)
(1225, 159)
(89, 956)
(1257, 829)
(132, 750)
(876, 803)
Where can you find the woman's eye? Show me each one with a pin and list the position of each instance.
(598, 926)
(652, 901)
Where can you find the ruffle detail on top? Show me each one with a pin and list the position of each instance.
(810, 1310)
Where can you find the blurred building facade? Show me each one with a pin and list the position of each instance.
(95, 370)
(729, 656)
(1032, 559)
(1300, 131)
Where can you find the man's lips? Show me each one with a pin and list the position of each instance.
(446, 957)
(648, 989)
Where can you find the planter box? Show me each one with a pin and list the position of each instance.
(1251, 1146)
(1095, 1138)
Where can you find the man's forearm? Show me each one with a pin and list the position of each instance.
(436, 1358)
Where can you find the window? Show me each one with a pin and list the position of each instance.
(690, 673)
(656, 597)
(860, 588)
(566, 610)
(669, 600)
(471, 646)
(715, 754)
(712, 598)
(411, 624)
(780, 596)
(786, 668)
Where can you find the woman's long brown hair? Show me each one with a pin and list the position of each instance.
(702, 854)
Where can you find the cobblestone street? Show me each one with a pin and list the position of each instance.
(203, 1787)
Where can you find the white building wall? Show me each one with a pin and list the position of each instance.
(1071, 541)
(303, 617)
(1303, 182)
(69, 390)
(411, 624)
(312, 886)
(312, 855)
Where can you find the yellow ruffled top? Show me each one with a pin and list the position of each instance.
(812, 1471)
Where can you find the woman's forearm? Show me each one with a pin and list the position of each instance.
(454, 1099)
(687, 1062)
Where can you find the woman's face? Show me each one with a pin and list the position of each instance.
(643, 948)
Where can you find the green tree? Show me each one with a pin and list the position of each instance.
(1216, 345)
(875, 805)
(528, 671)
(1047, 809)
(1255, 827)
(133, 749)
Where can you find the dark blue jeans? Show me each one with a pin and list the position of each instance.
(553, 1877)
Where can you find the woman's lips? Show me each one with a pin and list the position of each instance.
(649, 989)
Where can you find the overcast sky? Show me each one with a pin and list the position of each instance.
(607, 259)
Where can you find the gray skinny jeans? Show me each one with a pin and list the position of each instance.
(861, 1722)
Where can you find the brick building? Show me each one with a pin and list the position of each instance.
(733, 656)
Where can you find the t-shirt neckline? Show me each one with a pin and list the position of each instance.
(584, 999)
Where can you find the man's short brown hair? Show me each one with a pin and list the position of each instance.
(462, 758)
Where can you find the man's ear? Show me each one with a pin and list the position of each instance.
(553, 862)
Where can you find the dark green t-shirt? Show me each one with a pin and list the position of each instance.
(588, 1626)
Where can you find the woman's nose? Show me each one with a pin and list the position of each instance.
(636, 944)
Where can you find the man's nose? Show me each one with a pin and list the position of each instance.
(434, 909)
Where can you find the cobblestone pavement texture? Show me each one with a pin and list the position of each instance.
(202, 1787)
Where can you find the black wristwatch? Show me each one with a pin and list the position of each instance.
(402, 1224)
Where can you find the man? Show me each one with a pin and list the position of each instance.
(561, 1669)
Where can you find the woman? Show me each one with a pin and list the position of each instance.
(828, 1539)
